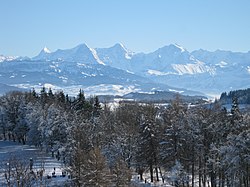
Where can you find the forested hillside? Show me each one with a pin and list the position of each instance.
(197, 146)
(243, 96)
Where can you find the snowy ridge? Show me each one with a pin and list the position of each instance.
(195, 68)
(171, 65)
(180, 47)
(248, 69)
(222, 64)
(80, 53)
(157, 73)
(96, 56)
(46, 50)
(128, 53)
(7, 58)
(117, 56)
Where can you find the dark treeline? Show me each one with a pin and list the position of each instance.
(243, 96)
(100, 146)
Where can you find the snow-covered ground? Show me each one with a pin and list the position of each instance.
(23, 153)
(11, 150)
(147, 183)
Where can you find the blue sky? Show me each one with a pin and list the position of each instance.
(141, 25)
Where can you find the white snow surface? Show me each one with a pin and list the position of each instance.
(7, 58)
(222, 64)
(198, 67)
(171, 65)
(96, 56)
(101, 89)
(46, 50)
(10, 150)
(172, 90)
(180, 47)
(157, 73)
(248, 69)
(128, 53)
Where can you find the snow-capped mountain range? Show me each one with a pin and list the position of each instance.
(118, 70)
(7, 58)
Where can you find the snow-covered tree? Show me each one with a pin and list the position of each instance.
(177, 175)
(148, 140)
(235, 156)
(21, 129)
(121, 174)
(173, 142)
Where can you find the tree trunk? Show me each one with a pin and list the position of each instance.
(193, 172)
(186, 181)
(4, 133)
(161, 175)
(223, 178)
(247, 175)
(141, 178)
(23, 141)
(9, 135)
(157, 175)
(13, 137)
(212, 178)
(140, 172)
(200, 174)
(151, 173)
(204, 173)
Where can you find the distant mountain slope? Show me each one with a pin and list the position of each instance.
(116, 56)
(81, 53)
(168, 68)
(71, 76)
(161, 96)
(6, 88)
(207, 72)
(7, 58)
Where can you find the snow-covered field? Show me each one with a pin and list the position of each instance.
(147, 183)
(10, 151)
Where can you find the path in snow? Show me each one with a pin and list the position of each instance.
(10, 150)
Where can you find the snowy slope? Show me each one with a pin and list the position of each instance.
(208, 72)
(117, 56)
(43, 55)
(168, 66)
(6, 88)
(7, 58)
(71, 76)
(81, 53)
(171, 59)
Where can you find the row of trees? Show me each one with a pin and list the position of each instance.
(207, 145)
(243, 96)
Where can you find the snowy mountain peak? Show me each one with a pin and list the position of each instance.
(46, 50)
(82, 46)
(180, 47)
(120, 48)
(171, 64)
(44, 53)
(172, 49)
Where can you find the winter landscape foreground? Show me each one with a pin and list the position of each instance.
(132, 144)
(15, 160)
